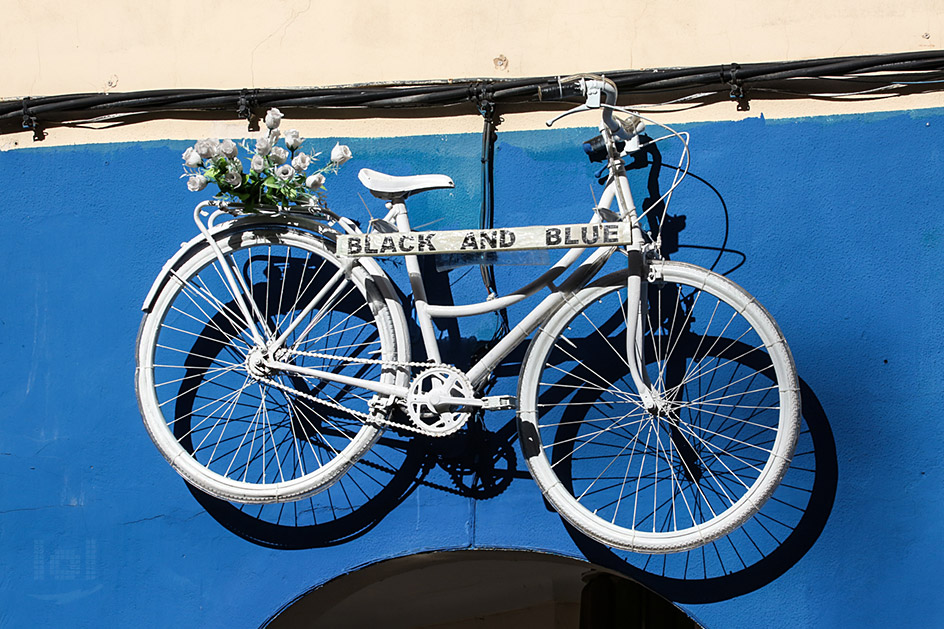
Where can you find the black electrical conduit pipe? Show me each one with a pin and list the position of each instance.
(838, 77)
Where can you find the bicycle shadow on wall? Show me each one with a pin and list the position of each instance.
(761, 550)
(481, 461)
(474, 463)
(753, 555)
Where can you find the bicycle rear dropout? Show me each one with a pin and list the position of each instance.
(658, 406)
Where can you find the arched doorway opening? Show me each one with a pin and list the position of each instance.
(497, 589)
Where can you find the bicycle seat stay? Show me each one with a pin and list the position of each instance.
(391, 187)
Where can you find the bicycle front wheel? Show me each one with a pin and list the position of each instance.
(676, 477)
(232, 427)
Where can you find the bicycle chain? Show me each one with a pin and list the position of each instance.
(376, 420)
(368, 418)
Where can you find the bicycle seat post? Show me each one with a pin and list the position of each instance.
(394, 190)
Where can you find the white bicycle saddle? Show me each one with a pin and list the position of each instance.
(390, 187)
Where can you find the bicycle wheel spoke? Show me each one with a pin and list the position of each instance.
(200, 289)
(233, 342)
(246, 292)
(592, 385)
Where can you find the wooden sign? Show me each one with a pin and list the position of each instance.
(379, 244)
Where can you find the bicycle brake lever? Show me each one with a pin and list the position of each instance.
(595, 91)
(575, 110)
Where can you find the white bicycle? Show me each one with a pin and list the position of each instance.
(274, 350)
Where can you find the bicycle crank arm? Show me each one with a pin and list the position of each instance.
(491, 403)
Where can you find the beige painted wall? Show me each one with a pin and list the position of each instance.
(53, 47)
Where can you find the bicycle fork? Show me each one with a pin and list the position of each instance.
(636, 314)
(636, 299)
(656, 403)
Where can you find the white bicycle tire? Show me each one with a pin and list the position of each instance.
(155, 413)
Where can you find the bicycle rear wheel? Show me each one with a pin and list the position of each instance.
(231, 427)
(678, 478)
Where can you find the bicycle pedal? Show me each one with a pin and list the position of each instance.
(499, 403)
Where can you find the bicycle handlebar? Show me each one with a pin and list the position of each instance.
(600, 93)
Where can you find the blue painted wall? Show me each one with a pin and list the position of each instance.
(838, 222)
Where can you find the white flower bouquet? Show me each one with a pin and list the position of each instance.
(277, 176)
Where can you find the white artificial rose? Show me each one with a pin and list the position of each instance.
(340, 154)
(207, 148)
(285, 172)
(229, 149)
(272, 118)
(274, 135)
(258, 163)
(233, 179)
(192, 158)
(278, 155)
(196, 183)
(301, 162)
(263, 146)
(315, 181)
(292, 139)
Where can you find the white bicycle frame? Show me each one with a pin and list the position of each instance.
(699, 449)
(618, 189)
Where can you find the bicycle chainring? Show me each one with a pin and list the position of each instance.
(430, 414)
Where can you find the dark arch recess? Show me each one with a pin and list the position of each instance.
(493, 588)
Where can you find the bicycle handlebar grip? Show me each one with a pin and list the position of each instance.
(560, 91)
